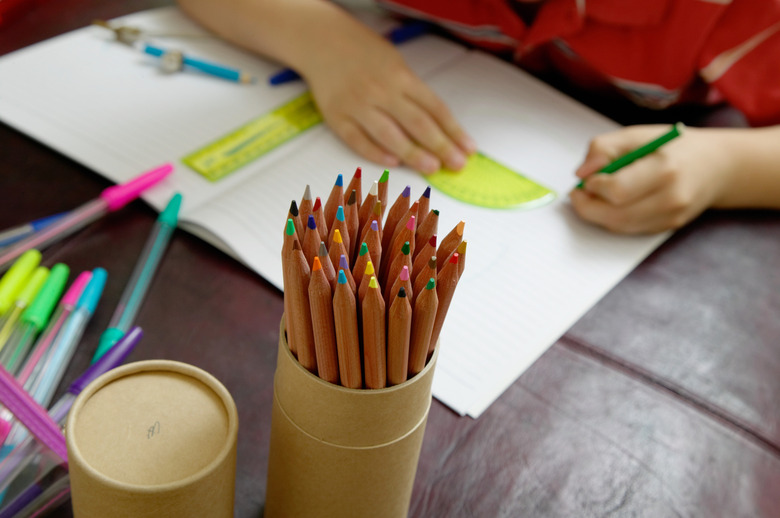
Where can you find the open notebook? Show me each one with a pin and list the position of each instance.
(530, 273)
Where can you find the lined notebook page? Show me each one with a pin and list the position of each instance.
(529, 275)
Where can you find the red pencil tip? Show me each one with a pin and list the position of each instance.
(317, 204)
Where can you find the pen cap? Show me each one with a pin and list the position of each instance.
(41, 308)
(14, 279)
(117, 196)
(93, 291)
(170, 215)
(72, 296)
(341, 452)
(150, 439)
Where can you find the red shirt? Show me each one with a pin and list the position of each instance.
(656, 52)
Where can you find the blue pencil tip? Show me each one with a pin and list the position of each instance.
(311, 223)
(427, 192)
(340, 181)
(340, 213)
(342, 277)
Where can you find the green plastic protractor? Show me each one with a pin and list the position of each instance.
(486, 183)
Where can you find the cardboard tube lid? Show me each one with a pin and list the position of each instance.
(154, 424)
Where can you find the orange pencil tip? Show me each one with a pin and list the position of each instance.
(316, 264)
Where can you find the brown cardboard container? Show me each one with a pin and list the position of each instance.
(339, 452)
(153, 438)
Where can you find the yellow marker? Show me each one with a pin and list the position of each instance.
(16, 277)
(29, 291)
(254, 139)
(486, 183)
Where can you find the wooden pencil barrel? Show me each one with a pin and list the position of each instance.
(339, 452)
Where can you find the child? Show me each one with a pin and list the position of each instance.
(657, 52)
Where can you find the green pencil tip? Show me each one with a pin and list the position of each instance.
(385, 176)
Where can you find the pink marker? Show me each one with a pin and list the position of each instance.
(111, 199)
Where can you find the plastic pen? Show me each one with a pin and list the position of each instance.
(174, 60)
(42, 389)
(640, 152)
(34, 318)
(31, 451)
(29, 292)
(400, 34)
(142, 275)
(111, 199)
(44, 381)
(12, 235)
(34, 362)
(15, 278)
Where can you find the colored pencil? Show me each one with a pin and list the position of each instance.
(382, 191)
(374, 348)
(424, 256)
(367, 206)
(402, 281)
(305, 206)
(321, 304)
(424, 205)
(399, 325)
(294, 214)
(373, 240)
(425, 229)
(446, 283)
(421, 277)
(449, 244)
(337, 248)
(340, 224)
(311, 240)
(327, 265)
(360, 263)
(335, 200)
(356, 184)
(299, 331)
(394, 215)
(423, 319)
(352, 223)
(347, 338)
(319, 217)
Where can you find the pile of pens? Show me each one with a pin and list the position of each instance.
(366, 288)
(41, 326)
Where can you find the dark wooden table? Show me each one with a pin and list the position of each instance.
(660, 401)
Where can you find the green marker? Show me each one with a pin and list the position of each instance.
(34, 318)
(131, 299)
(638, 153)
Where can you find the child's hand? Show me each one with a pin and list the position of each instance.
(382, 110)
(663, 190)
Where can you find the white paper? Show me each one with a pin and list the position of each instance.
(530, 274)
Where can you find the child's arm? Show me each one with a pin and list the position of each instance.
(364, 89)
(703, 168)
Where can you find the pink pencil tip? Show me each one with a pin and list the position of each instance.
(410, 223)
(405, 273)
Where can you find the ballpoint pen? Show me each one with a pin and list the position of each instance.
(34, 318)
(111, 199)
(34, 363)
(142, 275)
(12, 235)
(23, 300)
(44, 380)
(30, 451)
(175, 60)
(13, 280)
(67, 340)
(400, 34)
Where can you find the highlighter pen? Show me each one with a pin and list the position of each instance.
(174, 60)
(15, 278)
(142, 275)
(400, 34)
(12, 235)
(23, 301)
(111, 199)
(640, 152)
(29, 450)
(34, 318)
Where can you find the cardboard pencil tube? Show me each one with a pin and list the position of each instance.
(150, 439)
(339, 452)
